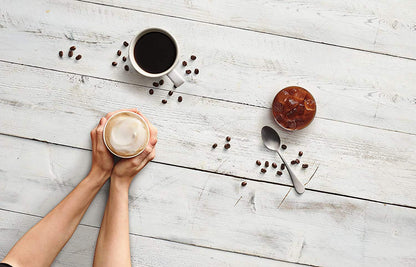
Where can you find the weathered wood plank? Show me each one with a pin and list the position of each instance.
(379, 26)
(79, 250)
(356, 161)
(211, 210)
(240, 66)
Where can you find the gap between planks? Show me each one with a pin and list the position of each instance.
(250, 30)
(168, 240)
(204, 97)
(233, 176)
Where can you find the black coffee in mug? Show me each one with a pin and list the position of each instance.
(155, 52)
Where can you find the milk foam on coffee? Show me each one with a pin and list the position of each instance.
(126, 134)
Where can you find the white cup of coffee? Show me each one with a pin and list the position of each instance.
(153, 53)
(126, 134)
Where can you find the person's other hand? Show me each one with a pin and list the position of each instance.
(126, 169)
(102, 159)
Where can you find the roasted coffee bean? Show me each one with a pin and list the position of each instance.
(61, 54)
(263, 170)
(174, 86)
(170, 93)
(114, 63)
(293, 162)
(119, 53)
(300, 153)
(279, 173)
(244, 183)
(284, 146)
(193, 57)
(125, 44)
(124, 59)
(228, 139)
(70, 53)
(164, 101)
(155, 84)
(305, 166)
(196, 71)
(227, 146)
(161, 82)
(214, 145)
(258, 162)
(180, 99)
(184, 63)
(282, 166)
(126, 67)
(297, 161)
(274, 165)
(266, 164)
(72, 48)
(78, 57)
(188, 71)
(151, 91)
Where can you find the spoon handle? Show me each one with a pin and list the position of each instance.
(296, 183)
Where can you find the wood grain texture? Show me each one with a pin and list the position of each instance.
(354, 160)
(211, 210)
(380, 26)
(145, 251)
(240, 66)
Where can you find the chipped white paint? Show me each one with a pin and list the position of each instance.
(240, 66)
(199, 208)
(354, 160)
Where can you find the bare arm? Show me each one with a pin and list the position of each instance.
(113, 245)
(42, 243)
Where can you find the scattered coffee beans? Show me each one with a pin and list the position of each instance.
(125, 44)
(161, 82)
(126, 67)
(279, 173)
(282, 166)
(214, 145)
(70, 53)
(196, 71)
(263, 170)
(258, 162)
(124, 59)
(244, 183)
(61, 54)
(274, 165)
(114, 63)
(78, 57)
(164, 101)
(170, 93)
(300, 153)
(72, 48)
(227, 146)
(297, 161)
(305, 166)
(284, 146)
(180, 99)
(228, 139)
(155, 84)
(151, 91)
(119, 53)
(193, 57)
(184, 63)
(293, 162)
(188, 71)
(266, 164)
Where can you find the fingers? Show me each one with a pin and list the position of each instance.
(100, 146)
(153, 135)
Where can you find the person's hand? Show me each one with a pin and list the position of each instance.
(102, 159)
(126, 169)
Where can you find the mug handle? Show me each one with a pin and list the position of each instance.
(176, 78)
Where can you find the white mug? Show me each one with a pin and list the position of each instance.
(173, 75)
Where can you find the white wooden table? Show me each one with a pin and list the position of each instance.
(187, 208)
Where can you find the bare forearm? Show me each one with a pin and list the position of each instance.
(113, 245)
(42, 243)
